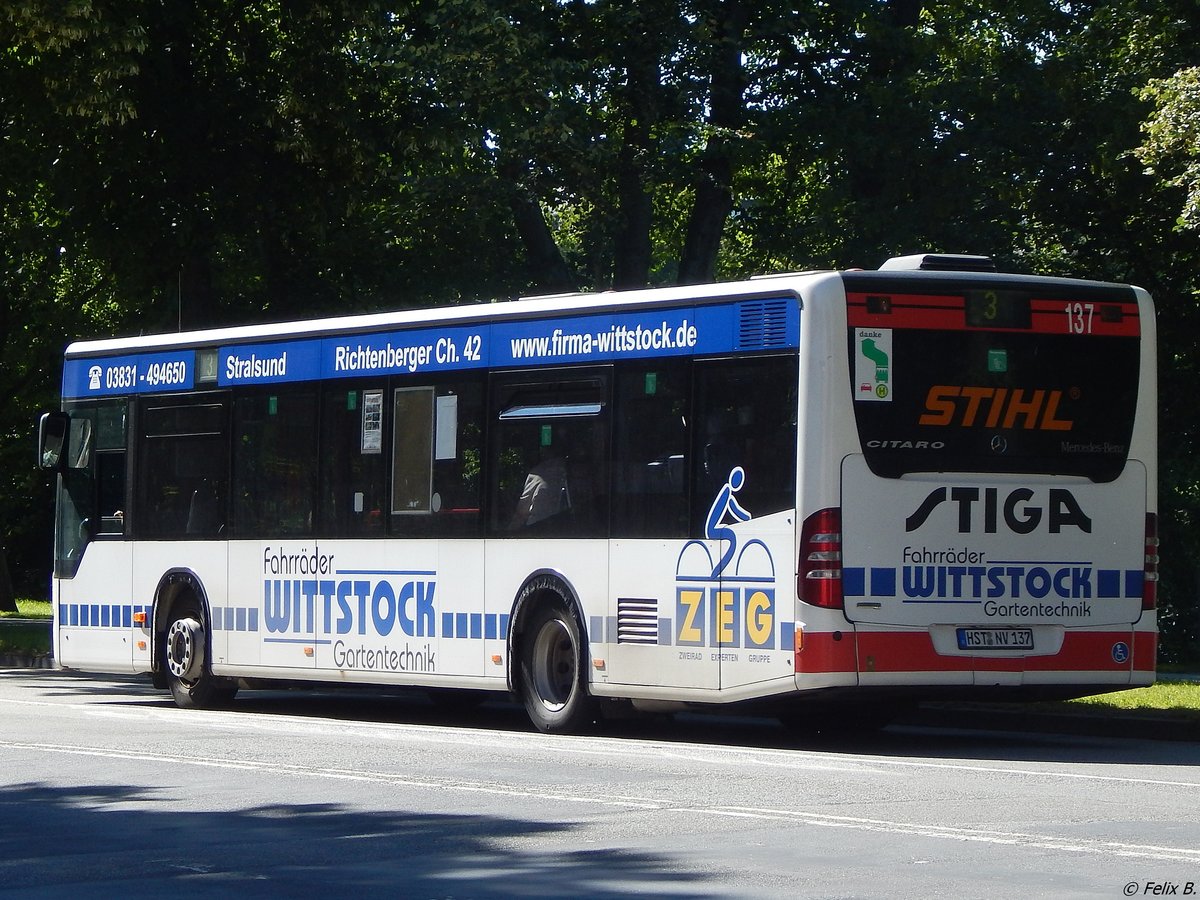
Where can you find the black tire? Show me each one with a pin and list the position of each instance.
(552, 660)
(185, 661)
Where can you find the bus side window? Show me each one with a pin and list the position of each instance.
(650, 437)
(181, 492)
(457, 458)
(412, 451)
(746, 417)
(549, 455)
(275, 462)
(353, 462)
(110, 467)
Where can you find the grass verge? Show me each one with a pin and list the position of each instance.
(33, 639)
(1180, 698)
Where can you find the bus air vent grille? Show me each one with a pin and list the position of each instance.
(762, 324)
(637, 621)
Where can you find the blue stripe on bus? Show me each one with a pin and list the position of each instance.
(1135, 581)
(787, 635)
(103, 615)
(883, 582)
(693, 330)
(1108, 583)
(854, 581)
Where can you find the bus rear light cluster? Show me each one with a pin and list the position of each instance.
(819, 581)
(1150, 581)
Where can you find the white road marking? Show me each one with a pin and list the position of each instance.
(736, 757)
(796, 817)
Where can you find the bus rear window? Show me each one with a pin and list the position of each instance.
(1014, 379)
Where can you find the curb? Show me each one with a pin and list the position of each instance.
(26, 661)
(1150, 725)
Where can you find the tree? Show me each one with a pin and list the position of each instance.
(167, 163)
(1172, 137)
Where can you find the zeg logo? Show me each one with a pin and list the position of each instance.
(1019, 511)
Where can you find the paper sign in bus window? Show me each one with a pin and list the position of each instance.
(873, 372)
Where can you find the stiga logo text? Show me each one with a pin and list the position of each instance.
(1022, 511)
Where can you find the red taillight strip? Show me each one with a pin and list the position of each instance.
(819, 575)
(1150, 582)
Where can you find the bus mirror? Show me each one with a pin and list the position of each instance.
(52, 441)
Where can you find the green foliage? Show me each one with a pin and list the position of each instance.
(165, 162)
(1172, 137)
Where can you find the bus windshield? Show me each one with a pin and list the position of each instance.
(1037, 380)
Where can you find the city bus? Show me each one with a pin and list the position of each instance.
(835, 491)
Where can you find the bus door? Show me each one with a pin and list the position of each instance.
(660, 564)
(180, 503)
(549, 490)
(745, 505)
(703, 513)
(994, 523)
(95, 603)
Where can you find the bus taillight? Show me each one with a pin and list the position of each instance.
(820, 579)
(1150, 582)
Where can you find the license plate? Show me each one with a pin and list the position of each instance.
(995, 639)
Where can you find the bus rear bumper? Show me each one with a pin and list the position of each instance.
(1115, 657)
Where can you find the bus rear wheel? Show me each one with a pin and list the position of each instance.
(185, 649)
(552, 671)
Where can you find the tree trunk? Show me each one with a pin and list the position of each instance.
(631, 267)
(8, 600)
(714, 183)
(549, 268)
(197, 308)
(644, 52)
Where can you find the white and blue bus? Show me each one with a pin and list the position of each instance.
(926, 480)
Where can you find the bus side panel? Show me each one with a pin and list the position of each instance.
(471, 633)
(581, 564)
(673, 624)
(752, 615)
(362, 611)
(656, 630)
(94, 612)
(203, 560)
(265, 619)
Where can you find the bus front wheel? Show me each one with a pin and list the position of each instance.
(185, 647)
(552, 671)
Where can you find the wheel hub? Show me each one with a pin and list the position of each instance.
(554, 665)
(185, 648)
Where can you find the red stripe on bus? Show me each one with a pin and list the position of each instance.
(826, 652)
(949, 314)
(1145, 651)
(1082, 651)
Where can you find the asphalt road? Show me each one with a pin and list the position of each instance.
(108, 790)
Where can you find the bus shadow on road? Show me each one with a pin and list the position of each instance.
(976, 738)
(136, 841)
(908, 739)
